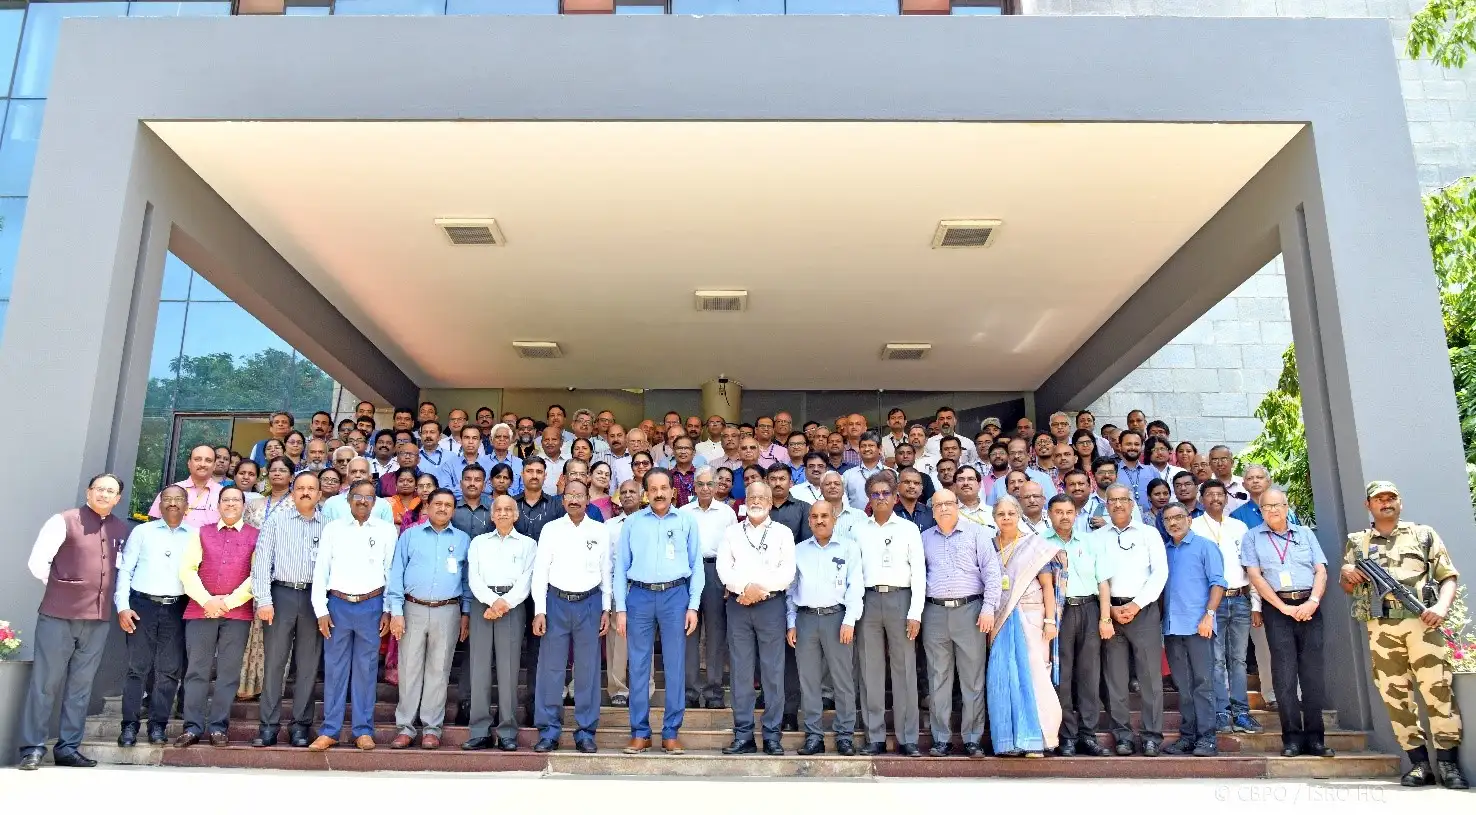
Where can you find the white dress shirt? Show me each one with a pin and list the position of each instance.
(1236, 494)
(981, 513)
(48, 542)
(1039, 527)
(892, 555)
(710, 450)
(571, 557)
(1227, 535)
(552, 469)
(353, 558)
(493, 560)
(1139, 561)
(712, 524)
(762, 554)
(889, 446)
(970, 452)
(810, 494)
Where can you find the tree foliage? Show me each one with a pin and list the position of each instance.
(1282, 445)
(1444, 31)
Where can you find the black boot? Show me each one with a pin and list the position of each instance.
(1450, 770)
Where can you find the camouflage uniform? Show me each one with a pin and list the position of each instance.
(1406, 652)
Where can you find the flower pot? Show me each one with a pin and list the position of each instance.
(1464, 685)
(15, 677)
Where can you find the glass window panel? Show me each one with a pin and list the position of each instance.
(202, 292)
(417, 8)
(168, 332)
(151, 8)
(11, 20)
(18, 145)
(194, 432)
(176, 279)
(842, 7)
(307, 11)
(977, 11)
(38, 41)
(502, 7)
(231, 361)
(148, 475)
(12, 218)
(727, 6)
(311, 389)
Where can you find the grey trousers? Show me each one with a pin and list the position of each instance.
(67, 653)
(294, 633)
(817, 646)
(1144, 637)
(501, 640)
(425, 666)
(756, 640)
(882, 634)
(213, 647)
(712, 627)
(952, 641)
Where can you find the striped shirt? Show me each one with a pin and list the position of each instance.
(286, 550)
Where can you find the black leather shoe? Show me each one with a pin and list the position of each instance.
(300, 737)
(1150, 748)
(910, 749)
(188, 738)
(219, 739)
(694, 699)
(773, 747)
(1450, 776)
(1420, 775)
(463, 714)
(1092, 747)
(1134, 686)
(477, 743)
(827, 703)
(30, 761)
(1206, 748)
(941, 749)
(1182, 747)
(1290, 751)
(265, 738)
(713, 701)
(845, 747)
(1125, 748)
(507, 745)
(128, 736)
(1320, 750)
(586, 746)
(873, 748)
(73, 759)
(813, 745)
(545, 746)
(789, 724)
(1066, 750)
(157, 734)
(974, 749)
(740, 747)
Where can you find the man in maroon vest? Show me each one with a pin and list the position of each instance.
(75, 555)
(216, 574)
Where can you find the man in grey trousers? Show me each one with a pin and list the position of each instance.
(963, 591)
(499, 577)
(824, 604)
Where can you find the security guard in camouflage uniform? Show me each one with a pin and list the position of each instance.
(1408, 649)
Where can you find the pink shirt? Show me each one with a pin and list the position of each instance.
(203, 507)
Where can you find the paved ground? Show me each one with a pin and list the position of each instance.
(244, 791)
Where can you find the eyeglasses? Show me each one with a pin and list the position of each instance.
(105, 490)
(165, 502)
(882, 494)
(1119, 500)
(362, 499)
(1273, 506)
(943, 504)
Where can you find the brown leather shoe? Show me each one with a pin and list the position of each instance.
(364, 742)
(430, 742)
(637, 745)
(322, 743)
(402, 741)
(673, 747)
(219, 739)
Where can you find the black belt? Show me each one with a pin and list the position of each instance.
(1121, 601)
(294, 586)
(499, 589)
(670, 584)
(954, 602)
(1236, 592)
(823, 610)
(431, 603)
(1299, 594)
(573, 596)
(880, 589)
(356, 598)
(712, 559)
(161, 599)
(1081, 601)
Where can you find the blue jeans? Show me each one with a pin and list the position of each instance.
(1232, 634)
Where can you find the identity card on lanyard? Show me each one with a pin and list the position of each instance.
(670, 545)
(1281, 553)
(886, 553)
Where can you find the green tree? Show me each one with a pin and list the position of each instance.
(1282, 445)
(1445, 31)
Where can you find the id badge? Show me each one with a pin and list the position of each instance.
(840, 582)
(452, 567)
(1004, 582)
(1286, 580)
(670, 551)
(592, 564)
(886, 559)
(118, 560)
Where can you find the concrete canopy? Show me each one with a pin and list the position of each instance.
(108, 196)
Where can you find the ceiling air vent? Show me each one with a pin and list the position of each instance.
(471, 231)
(965, 234)
(538, 350)
(714, 300)
(906, 351)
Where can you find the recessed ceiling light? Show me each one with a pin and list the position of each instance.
(472, 231)
(966, 233)
(721, 300)
(538, 350)
(905, 351)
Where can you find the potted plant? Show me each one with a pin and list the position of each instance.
(15, 676)
(1460, 637)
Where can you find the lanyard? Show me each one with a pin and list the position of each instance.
(270, 507)
(760, 546)
(1281, 552)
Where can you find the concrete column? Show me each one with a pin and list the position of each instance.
(723, 399)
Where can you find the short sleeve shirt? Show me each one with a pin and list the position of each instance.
(1403, 553)
(1294, 554)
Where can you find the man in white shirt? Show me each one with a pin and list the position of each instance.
(628, 496)
(1139, 572)
(1222, 465)
(338, 508)
(895, 435)
(617, 456)
(1232, 616)
(1032, 509)
(755, 563)
(971, 506)
(808, 490)
(571, 602)
(947, 422)
(713, 520)
(554, 458)
(711, 447)
(352, 569)
(896, 585)
(499, 574)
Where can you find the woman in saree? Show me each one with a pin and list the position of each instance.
(1024, 713)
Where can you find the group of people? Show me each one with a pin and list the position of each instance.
(1018, 573)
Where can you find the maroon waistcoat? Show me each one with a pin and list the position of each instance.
(225, 563)
(80, 585)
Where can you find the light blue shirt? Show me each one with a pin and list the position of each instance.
(659, 549)
(827, 575)
(442, 466)
(338, 507)
(1195, 565)
(855, 481)
(1295, 554)
(458, 462)
(151, 559)
(847, 520)
(1047, 485)
(1137, 480)
(1096, 506)
(430, 565)
(517, 472)
(670, 461)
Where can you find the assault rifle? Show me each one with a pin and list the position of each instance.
(1384, 585)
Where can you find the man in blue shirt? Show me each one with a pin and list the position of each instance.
(1196, 584)
(658, 586)
(428, 616)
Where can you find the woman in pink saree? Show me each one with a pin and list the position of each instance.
(1024, 713)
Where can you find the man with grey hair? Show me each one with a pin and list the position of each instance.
(583, 426)
(338, 506)
(1060, 427)
(315, 456)
(501, 436)
(1257, 480)
(713, 519)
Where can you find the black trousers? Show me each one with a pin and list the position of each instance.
(1143, 638)
(156, 645)
(1296, 661)
(1079, 691)
(218, 647)
(294, 632)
